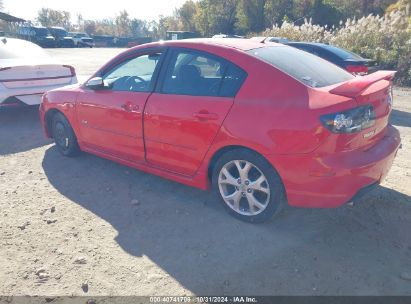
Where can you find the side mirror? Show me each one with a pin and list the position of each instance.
(95, 83)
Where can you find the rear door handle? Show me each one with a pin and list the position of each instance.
(205, 116)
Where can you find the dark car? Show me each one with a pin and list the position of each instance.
(263, 39)
(37, 34)
(228, 36)
(349, 61)
(179, 35)
(63, 39)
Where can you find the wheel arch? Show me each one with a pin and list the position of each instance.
(217, 154)
(49, 120)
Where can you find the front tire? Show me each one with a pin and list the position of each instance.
(64, 137)
(248, 186)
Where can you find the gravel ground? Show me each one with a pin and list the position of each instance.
(88, 226)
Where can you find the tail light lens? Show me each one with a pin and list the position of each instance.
(357, 69)
(72, 69)
(351, 121)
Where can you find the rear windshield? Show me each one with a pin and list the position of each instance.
(344, 54)
(15, 48)
(305, 67)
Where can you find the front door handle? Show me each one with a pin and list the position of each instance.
(205, 115)
(130, 107)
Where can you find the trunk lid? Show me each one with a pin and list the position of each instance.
(23, 76)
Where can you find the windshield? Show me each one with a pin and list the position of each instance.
(59, 32)
(305, 67)
(41, 31)
(16, 48)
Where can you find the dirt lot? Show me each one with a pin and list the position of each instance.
(90, 226)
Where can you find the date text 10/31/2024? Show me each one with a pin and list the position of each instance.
(199, 299)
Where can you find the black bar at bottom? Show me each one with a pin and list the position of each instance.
(207, 299)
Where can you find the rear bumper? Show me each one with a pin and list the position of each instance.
(330, 181)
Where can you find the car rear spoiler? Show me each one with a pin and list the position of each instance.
(359, 84)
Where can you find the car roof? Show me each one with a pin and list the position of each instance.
(234, 43)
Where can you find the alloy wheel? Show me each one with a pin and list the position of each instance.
(244, 187)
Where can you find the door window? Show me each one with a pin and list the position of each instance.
(199, 74)
(134, 75)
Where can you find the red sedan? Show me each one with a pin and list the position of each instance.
(262, 125)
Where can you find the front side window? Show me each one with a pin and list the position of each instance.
(199, 74)
(134, 75)
(305, 67)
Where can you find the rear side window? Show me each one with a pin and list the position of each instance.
(200, 74)
(232, 81)
(307, 68)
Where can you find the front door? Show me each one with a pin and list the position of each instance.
(183, 116)
(110, 118)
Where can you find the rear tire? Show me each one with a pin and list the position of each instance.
(64, 137)
(248, 186)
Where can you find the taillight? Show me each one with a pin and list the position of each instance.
(351, 121)
(357, 69)
(72, 69)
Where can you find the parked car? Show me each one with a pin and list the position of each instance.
(26, 72)
(63, 39)
(347, 60)
(81, 39)
(270, 39)
(262, 125)
(179, 35)
(37, 34)
(227, 36)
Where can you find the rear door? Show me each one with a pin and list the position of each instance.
(183, 116)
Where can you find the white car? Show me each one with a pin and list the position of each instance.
(82, 39)
(27, 71)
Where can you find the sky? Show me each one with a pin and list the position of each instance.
(93, 9)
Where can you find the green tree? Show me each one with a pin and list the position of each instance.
(169, 23)
(139, 28)
(89, 26)
(122, 23)
(359, 8)
(186, 14)
(325, 13)
(251, 15)
(276, 10)
(80, 22)
(49, 17)
(216, 16)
